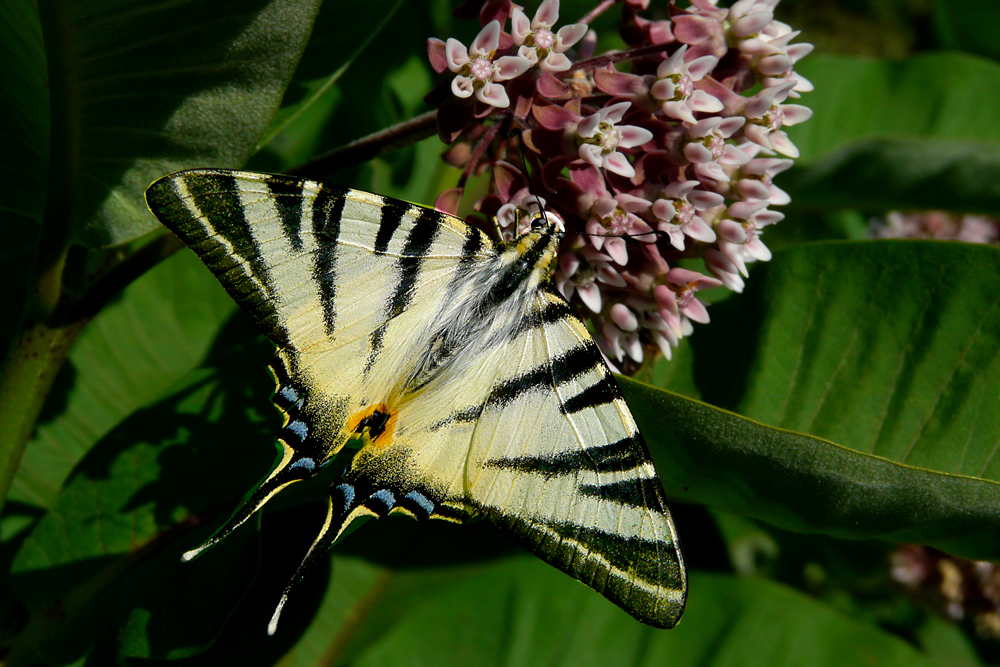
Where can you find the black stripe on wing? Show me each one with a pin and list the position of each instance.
(553, 311)
(567, 366)
(635, 491)
(601, 392)
(564, 367)
(615, 457)
(418, 244)
(327, 213)
(630, 571)
(287, 197)
(242, 271)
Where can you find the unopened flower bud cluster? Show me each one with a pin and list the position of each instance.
(668, 156)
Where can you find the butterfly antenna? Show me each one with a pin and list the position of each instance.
(517, 132)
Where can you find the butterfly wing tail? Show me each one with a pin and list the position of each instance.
(293, 467)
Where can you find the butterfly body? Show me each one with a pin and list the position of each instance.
(473, 388)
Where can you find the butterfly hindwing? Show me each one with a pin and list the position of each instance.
(557, 462)
(472, 386)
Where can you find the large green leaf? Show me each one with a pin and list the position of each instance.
(24, 133)
(522, 612)
(916, 133)
(312, 93)
(806, 484)
(158, 330)
(967, 26)
(107, 552)
(142, 91)
(888, 349)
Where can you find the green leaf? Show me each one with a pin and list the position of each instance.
(916, 133)
(158, 330)
(139, 93)
(24, 106)
(108, 555)
(886, 348)
(522, 612)
(342, 32)
(967, 26)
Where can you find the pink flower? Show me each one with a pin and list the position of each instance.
(476, 71)
(579, 273)
(538, 43)
(677, 209)
(708, 150)
(755, 178)
(613, 219)
(739, 233)
(724, 270)
(766, 115)
(678, 297)
(674, 88)
(600, 137)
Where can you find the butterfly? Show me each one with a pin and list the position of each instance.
(470, 384)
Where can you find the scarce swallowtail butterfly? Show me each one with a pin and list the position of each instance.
(473, 388)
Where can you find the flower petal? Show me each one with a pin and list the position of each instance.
(672, 65)
(493, 94)
(678, 110)
(732, 231)
(520, 26)
(507, 67)
(779, 63)
(487, 40)
(699, 67)
(615, 247)
(752, 23)
(784, 145)
(591, 154)
(751, 188)
(456, 53)
(632, 136)
(623, 316)
(569, 35)
(704, 102)
(615, 112)
(546, 15)
(699, 230)
(664, 210)
(591, 296)
(617, 163)
(698, 153)
(461, 86)
(587, 127)
(795, 113)
(702, 199)
(555, 62)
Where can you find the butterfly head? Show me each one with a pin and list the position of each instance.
(537, 249)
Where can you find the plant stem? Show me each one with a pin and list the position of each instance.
(366, 148)
(25, 381)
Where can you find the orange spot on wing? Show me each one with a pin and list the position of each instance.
(376, 423)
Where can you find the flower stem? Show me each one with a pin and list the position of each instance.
(604, 6)
(618, 56)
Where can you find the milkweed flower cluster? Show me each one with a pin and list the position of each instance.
(659, 160)
(939, 225)
(960, 588)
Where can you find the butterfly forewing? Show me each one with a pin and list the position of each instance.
(474, 388)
